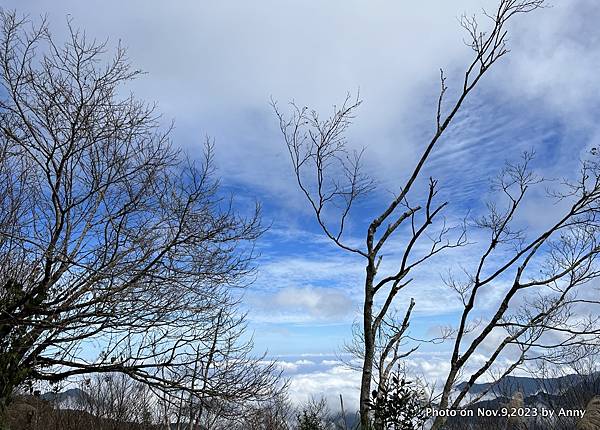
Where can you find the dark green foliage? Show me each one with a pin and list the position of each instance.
(308, 420)
(399, 407)
(314, 415)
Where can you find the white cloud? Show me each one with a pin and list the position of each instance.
(329, 383)
(213, 66)
(302, 304)
(317, 302)
(304, 362)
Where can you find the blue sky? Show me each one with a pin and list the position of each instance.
(213, 66)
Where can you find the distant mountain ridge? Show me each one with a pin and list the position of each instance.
(70, 396)
(529, 386)
(569, 392)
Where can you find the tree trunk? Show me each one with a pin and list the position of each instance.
(441, 420)
(438, 423)
(11, 376)
(4, 401)
(369, 347)
(365, 385)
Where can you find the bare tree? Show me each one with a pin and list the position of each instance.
(545, 271)
(116, 251)
(546, 268)
(117, 401)
(274, 414)
(223, 364)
